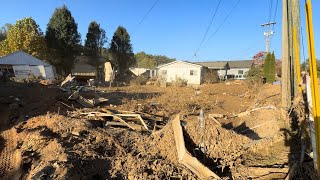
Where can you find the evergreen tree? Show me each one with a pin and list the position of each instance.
(269, 68)
(95, 39)
(24, 35)
(62, 39)
(120, 50)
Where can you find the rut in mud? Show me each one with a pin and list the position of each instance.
(9, 157)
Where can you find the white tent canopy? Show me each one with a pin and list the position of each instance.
(24, 64)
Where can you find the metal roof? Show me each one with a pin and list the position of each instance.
(214, 64)
(241, 64)
(231, 64)
(173, 62)
(21, 58)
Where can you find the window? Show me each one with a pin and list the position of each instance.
(164, 72)
(240, 71)
(193, 72)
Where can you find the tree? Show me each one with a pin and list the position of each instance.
(269, 68)
(95, 40)
(63, 39)
(144, 60)
(120, 50)
(24, 35)
(4, 31)
(150, 61)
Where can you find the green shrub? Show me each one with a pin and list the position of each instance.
(255, 74)
(179, 82)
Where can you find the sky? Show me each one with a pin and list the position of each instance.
(174, 28)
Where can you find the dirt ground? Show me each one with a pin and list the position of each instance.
(48, 143)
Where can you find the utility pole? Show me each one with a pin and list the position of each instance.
(268, 34)
(285, 73)
(295, 15)
(294, 24)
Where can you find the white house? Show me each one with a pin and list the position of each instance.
(181, 69)
(229, 69)
(238, 69)
(20, 65)
(221, 67)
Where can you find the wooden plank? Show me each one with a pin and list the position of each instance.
(137, 116)
(196, 167)
(143, 115)
(135, 126)
(178, 137)
(185, 158)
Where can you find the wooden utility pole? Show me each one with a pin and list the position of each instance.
(294, 24)
(285, 73)
(268, 34)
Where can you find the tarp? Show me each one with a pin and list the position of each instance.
(21, 58)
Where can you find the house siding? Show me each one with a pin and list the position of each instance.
(234, 72)
(181, 70)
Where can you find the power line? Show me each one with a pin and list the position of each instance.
(270, 10)
(304, 56)
(224, 20)
(205, 35)
(275, 11)
(154, 4)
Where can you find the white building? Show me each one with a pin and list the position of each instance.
(231, 69)
(238, 69)
(190, 72)
(20, 65)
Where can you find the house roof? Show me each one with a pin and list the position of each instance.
(214, 64)
(21, 58)
(173, 62)
(231, 64)
(82, 68)
(241, 64)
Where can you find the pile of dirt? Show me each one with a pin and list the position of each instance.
(223, 146)
(56, 147)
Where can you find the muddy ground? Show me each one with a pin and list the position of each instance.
(48, 143)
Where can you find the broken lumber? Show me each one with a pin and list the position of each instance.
(216, 115)
(67, 79)
(66, 105)
(99, 114)
(143, 115)
(184, 156)
(121, 124)
(137, 116)
(216, 121)
(245, 113)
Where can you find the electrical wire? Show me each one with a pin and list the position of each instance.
(270, 10)
(205, 35)
(154, 4)
(275, 11)
(224, 20)
(304, 56)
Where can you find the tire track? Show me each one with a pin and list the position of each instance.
(10, 158)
